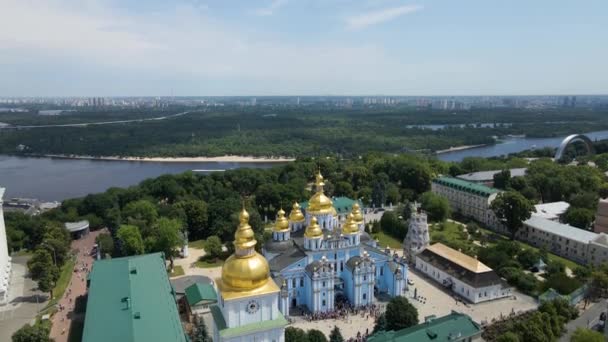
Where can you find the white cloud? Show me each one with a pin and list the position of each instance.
(270, 9)
(362, 21)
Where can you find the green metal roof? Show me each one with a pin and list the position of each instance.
(455, 326)
(131, 300)
(226, 332)
(198, 292)
(462, 185)
(342, 204)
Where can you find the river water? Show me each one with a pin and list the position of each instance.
(53, 179)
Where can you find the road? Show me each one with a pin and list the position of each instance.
(588, 319)
(85, 124)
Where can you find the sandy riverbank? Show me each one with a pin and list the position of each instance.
(222, 159)
(459, 148)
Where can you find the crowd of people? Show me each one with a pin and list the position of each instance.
(343, 310)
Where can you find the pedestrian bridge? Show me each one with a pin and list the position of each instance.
(570, 139)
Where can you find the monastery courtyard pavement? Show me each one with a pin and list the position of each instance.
(436, 302)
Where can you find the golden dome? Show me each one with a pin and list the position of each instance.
(246, 269)
(281, 224)
(350, 226)
(296, 214)
(313, 230)
(357, 214)
(319, 203)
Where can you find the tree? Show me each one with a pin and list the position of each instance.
(213, 247)
(38, 332)
(502, 179)
(586, 335)
(168, 237)
(43, 270)
(130, 240)
(400, 314)
(437, 207)
(200, 333)
(579, 217)
(392, 225)
(195, 212)
(336, 335)
(295, 335)
(512, 209)
(315, 335)
(105, 244)
(380, 323)
(528, 258)
(141, 213)
(509, 336)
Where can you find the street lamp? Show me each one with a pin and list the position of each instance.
(53, 249)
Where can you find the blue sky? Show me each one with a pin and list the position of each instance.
(302, 47)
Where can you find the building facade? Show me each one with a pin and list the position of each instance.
(467, 277)
(5, 259)
(469, 199)
(572, 243)
(321, 257)
(601, 217)
(248, 307)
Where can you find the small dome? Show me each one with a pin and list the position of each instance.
(320, 204)
(358, 215)
(296, 214)
(244, 236)
(281, 224)
(313, 230)
(350, 227)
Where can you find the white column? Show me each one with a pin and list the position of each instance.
(5, 264)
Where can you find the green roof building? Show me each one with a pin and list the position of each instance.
(131, 300)
(455, 327)
(470, 187)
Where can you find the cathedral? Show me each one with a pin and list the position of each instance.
(318, 257)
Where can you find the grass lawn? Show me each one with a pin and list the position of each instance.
(450, 232)
(177, 271)
(385, 239)
(197, 244)
(209, 263)
(62, 283)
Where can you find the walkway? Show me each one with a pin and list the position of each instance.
(65, 316)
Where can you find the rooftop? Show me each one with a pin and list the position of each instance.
(455, 326)
(560, 229)
(131, 300)
(198, 292)
(459, 184)
(551, 211)
(77, 226)
(488, 176)
(342, 204)
(459, 258)
(227, 333)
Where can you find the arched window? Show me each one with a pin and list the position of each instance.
(364, 296)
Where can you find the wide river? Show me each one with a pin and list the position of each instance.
(53, 179)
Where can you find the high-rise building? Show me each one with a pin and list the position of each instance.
(5, 260)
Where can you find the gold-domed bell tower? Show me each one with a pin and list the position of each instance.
(313, 235)
(350, 230)
(280, 231)
(247, 294)
(358, 217)
(322, 207)
(296, 218)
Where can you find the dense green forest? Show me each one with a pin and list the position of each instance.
(284, 131)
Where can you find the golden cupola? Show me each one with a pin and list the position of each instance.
(245, 270)
(350, 226)
(319, 203)
(296, 213)
(281, 224)
(313, 230)
(357, 214)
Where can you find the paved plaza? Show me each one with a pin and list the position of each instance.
(24, 300)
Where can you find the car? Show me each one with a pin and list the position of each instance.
(410, 282)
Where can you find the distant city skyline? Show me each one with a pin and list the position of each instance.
(107, 48)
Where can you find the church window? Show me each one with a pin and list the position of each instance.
(382, 270)
(364, 296)
(293, 282)
(323, 303)
(335, 255)
(364, 277)
(341, 266)
(301, 282)
(323, 284)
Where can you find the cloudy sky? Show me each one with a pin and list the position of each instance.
(302, 47)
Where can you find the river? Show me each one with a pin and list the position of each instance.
(52, 179)
(512, 145)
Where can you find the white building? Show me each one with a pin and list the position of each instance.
(465, 276)
(572, 243)
(551, 211)
(248, 307)
(5, 259)
(601, 217)
(417, 238)
(469, 199)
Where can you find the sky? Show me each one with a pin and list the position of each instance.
(302, 47)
